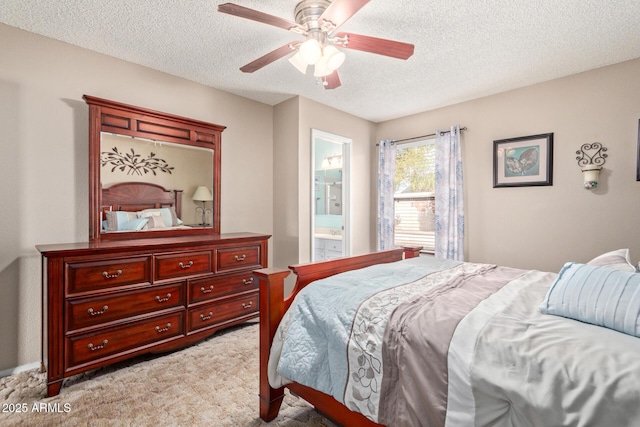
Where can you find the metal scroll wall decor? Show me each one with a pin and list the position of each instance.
(591, 157)
(133, 163)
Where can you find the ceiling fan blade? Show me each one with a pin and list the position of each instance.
(267, 59)
(331, 81)
(255, 15)
(339, 11)
(375, 45)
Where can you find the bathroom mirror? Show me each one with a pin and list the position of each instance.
(330, 228)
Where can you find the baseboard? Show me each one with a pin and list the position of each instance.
(18, 369)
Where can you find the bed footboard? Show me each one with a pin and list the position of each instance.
(273, 305)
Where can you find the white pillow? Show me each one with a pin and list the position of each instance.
(618, 259)
(168, 215)
(149, 213)
(156, 221)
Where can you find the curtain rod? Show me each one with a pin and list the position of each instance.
(400, 141)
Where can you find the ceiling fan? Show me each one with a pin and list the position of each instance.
(317, 21)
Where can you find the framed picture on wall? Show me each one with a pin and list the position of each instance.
(523, 161)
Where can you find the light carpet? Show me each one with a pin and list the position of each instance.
(213, 383)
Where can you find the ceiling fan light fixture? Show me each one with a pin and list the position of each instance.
(334, 57)
(318, 21)
(310, 51)
(321, 68)
(300, 64)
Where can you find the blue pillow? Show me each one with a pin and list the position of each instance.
(134, 225)
(117, 219)
(598, 295)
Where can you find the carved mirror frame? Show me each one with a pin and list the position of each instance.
(117, 118)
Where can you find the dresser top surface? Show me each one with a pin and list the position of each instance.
(150, 243)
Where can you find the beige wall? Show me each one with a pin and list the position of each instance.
(293, 121)
(362, 134)
(286, 197)
(542, 227)
(44, 152)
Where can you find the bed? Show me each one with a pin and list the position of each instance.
(378, 340)
(140, 206)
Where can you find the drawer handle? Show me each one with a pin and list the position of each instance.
(241, 257)
(187, 265)
(206, 291)
(247, 281)
(163, 299)
(245, 306)
(111, 276)
(97, 347)
(97, 313)
(161, 330)
(207, 317)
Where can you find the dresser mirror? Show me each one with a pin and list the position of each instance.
(151, 174)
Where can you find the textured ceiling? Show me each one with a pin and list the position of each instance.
(463, 49)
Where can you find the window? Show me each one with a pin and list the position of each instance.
(414, 200)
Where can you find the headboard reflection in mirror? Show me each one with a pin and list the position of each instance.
(144, 169)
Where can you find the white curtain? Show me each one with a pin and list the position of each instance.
(449, 233)
(386, 217)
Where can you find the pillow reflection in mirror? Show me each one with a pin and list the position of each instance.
(168, 215)
(116, 219)
(136, 224)
(155, 222)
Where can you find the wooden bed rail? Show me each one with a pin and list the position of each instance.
(273, 305)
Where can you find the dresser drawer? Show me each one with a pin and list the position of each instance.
(239, 257)
(102, 274)
(333, 245)
(90, 347)
(215, 314)
(216, 287)
(87, 312)
(182, 264)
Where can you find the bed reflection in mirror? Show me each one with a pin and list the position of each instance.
(178, 168)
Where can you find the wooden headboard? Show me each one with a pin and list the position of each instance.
(136, 196)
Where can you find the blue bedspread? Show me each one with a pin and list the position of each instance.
(433, 342)
(314, 353)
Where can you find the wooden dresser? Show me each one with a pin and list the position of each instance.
(108, 301)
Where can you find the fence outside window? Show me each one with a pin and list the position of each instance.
(415, 220)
